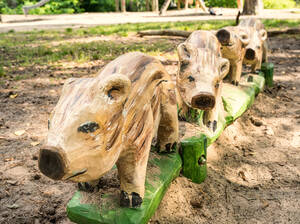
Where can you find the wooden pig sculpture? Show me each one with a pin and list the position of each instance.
(234, 41)
(256, 50)
(200, 74)
(112, 119)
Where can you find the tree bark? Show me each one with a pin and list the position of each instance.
(131, 5)
(155, 5)
(165, 7)
(117, 3)
(147, 5)
(123, 5)
(253, 7)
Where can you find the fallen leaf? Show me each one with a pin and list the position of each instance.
(13, 96)
(19, 133)
(34, 143)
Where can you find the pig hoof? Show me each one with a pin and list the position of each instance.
(215, 124)
(250, 78)
(235, 83)
(85, 187)
(135, 199)
(169, 147)
(212, 125)
(124, 199)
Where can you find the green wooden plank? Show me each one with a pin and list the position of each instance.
(162, 169)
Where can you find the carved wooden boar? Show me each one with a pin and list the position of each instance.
(234, 41)
(256, 50)
(112, 119)
(200, 74)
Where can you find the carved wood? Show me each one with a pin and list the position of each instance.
(112, 119)
(256, 50)
(234, 41)
(201, 70)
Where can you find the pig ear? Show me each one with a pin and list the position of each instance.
(117, 87)
(224, 67)
(263, 34)
(183, 52)
(244, 38)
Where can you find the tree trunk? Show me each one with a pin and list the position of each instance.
(123, 5)
(147, 5)
(165, 7)
(155, 5)
(253, 7)
(117, 3)
(186, 4)
(131, 5)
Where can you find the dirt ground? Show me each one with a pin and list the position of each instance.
(253, 168)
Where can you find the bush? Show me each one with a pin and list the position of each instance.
(221, 3)
(279, 4)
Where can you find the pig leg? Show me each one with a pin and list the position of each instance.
(235, 72)
(210, 117)
(132, 162)
(265, 52)
(167, 135)
(88, 186)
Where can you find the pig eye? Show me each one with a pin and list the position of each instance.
(111, 92)
(191, 78)
(258, 47)
(88, 127)
(217, 85)
(184, 65)
(48, 124)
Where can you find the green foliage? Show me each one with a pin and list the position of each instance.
(279, 4)
(97, 5)
(221, 3)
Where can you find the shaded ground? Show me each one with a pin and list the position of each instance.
(254, 167)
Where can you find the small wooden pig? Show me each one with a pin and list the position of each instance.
(256, 50)
(112, 119)
(234, 40)
(200, 74)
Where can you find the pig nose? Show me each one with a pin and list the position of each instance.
(250, 54)
(51, 163)
(203, 101)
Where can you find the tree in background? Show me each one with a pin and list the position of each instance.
(253, 7)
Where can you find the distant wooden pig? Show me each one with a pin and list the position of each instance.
(112, 119)
(256, 50)
(200, 74)
(234, 41)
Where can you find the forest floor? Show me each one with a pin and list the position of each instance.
(253, 168)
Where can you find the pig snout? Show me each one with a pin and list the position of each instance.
(203, 101)
(51, 163)
(223, 37)
(250, 54)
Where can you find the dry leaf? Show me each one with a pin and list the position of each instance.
(13, 96)
(19, 133)
(34, 143)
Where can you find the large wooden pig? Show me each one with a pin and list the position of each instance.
(200, 74)
(256, 50)
(112, 119)
(234, 41)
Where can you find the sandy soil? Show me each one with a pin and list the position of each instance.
(253, 168)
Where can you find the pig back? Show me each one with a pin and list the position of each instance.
(253, 23)
(205, 40)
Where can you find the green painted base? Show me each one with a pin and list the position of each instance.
(268, 70)
(194, 157)
(162, 169)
